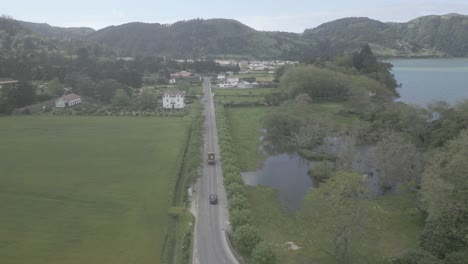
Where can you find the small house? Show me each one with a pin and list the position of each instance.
(173, 100)
(68, 100)
(244, 85)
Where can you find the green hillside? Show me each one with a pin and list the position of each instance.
(429, 36)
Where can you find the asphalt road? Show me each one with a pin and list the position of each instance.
(210, 244)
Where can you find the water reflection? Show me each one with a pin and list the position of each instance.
(288, 174)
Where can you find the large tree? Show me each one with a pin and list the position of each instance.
(341, 215)
(397, 160)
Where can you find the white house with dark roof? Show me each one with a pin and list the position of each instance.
(68, 100)
(174, 100)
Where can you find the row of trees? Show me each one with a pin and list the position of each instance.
(246, 236)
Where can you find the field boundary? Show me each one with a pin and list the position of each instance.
(178, 240)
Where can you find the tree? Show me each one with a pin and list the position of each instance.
(308, 135)
(15, 96)
(121, 98)
(444, 194)
(235, 189)
(246, 238)
(275, 98)
(183, 86)
(148, 99)
(105, 89)
(398, 161)
(263, 254)
(341, 215)
(240, 217)
(81, 84)
(238, 202)
(55, 88)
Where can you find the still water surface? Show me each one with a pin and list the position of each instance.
(428, 80)
(286, 173)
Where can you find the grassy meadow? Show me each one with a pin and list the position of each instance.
(87, 189)
(260, 76)
(235, 96)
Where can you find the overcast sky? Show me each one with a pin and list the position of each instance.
(272, 15)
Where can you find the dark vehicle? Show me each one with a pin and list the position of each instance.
(213, 199)
(211, 158)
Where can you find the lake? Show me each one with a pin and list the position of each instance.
(428, 80)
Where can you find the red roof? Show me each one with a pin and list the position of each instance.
(70, 97)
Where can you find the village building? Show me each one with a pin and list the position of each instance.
(68, 100)
(244, 85)
(226, 85)
(181, 74)
(173, 100)
(221, 77)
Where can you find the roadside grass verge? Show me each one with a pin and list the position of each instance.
(246, 127)
(179, 238)
(87, 189)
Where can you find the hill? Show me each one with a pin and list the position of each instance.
(56, 32)
(429, 36)
(198, 38)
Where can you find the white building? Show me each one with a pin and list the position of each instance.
(227, 85)
(68, 100)
(174, 100)
(244, 85)
(221, 77)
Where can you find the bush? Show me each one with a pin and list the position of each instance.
(263, 254)
(246, 237)
(234, 189)
(322, 171)
(238, 202)
(240, 217)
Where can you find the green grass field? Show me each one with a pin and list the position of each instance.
(246, 127)
(261, 76)
(235, 96)
(244, 92)
(87, 189)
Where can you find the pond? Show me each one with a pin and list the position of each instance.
(286, 173)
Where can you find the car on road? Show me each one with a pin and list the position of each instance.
(213, 198)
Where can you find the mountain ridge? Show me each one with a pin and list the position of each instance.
(427, 36)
